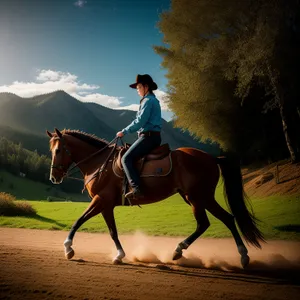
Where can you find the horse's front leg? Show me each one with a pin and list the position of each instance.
(108, 215)
(94, 208)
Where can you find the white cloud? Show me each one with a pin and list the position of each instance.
(134, 107)
(46, 75)
(49, 80)
(163, 98)
(105, 100)
(80, 3)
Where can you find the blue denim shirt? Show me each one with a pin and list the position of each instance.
(148, 117)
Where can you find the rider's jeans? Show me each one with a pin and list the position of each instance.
(141, 147)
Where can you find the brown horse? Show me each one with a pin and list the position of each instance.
(194, 175)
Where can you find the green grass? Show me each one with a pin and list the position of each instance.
(280, 218)
(23, 188)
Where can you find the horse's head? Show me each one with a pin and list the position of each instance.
(61, 156)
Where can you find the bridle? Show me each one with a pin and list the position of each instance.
(67, 174)
(61, 166)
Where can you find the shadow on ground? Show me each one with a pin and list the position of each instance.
(44, 219)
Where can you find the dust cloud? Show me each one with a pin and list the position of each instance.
(218, 254)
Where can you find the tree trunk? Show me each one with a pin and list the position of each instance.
(295, 156)
(279, 96)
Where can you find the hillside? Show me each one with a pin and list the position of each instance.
(280, 178)
(26, 119)
(29, 140)
(23, 188)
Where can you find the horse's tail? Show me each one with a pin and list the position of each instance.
(237, 200)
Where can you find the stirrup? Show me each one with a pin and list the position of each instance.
(130, 196)
(134, 194)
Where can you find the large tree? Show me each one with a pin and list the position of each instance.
(218, 51)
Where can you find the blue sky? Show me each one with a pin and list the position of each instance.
(93, 49)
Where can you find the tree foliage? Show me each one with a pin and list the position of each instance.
(16, 159)
(220, 55)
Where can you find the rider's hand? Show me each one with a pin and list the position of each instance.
(120, 134)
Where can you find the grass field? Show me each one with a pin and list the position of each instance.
(280, 218)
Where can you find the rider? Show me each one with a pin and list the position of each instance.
(147, 124)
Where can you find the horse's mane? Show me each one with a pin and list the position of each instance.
(86, 137)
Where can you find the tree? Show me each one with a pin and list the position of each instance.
(217, 52)
(263, 56)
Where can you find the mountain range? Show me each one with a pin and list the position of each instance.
(25, 120)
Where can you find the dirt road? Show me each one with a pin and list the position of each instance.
(32, 266)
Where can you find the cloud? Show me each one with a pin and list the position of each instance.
(46, 75)
(80, 3)
(163, 98)
(105, 100)
(134, 107)
(50, 80)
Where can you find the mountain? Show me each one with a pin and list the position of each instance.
(26, 120)
(57, 109)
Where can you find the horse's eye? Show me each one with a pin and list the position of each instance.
(57, 151)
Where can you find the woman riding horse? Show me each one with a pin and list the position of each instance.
(148, 124)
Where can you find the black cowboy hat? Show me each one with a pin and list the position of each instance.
(144, 79)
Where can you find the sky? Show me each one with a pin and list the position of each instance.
(92, 49)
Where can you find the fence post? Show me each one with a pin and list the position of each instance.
(277, 174)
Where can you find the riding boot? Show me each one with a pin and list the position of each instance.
(134, 193)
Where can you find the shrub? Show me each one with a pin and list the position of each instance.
(7, 197)
(10, 207)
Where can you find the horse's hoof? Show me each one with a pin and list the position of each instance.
(70, 254)
(117, 261)
(177, 255)
(245, 259)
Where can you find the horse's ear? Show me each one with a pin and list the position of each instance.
(59, 134)
(49, 134)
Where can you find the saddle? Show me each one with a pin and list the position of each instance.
(157, 163)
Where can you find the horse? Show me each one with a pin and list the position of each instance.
(193, 174)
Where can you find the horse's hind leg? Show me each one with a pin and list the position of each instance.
(93, 209)
(108, 215)
(202, 225)
(217, 211)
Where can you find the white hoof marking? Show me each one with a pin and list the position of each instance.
(69, 252)
(119, 257)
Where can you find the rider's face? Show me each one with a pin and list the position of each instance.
(142, 89)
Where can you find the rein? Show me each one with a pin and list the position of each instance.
(92, 155)
(102, 168)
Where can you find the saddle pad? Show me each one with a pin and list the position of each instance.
(152, 168)
(157, 168)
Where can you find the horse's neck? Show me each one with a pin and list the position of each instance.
(81, 151)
